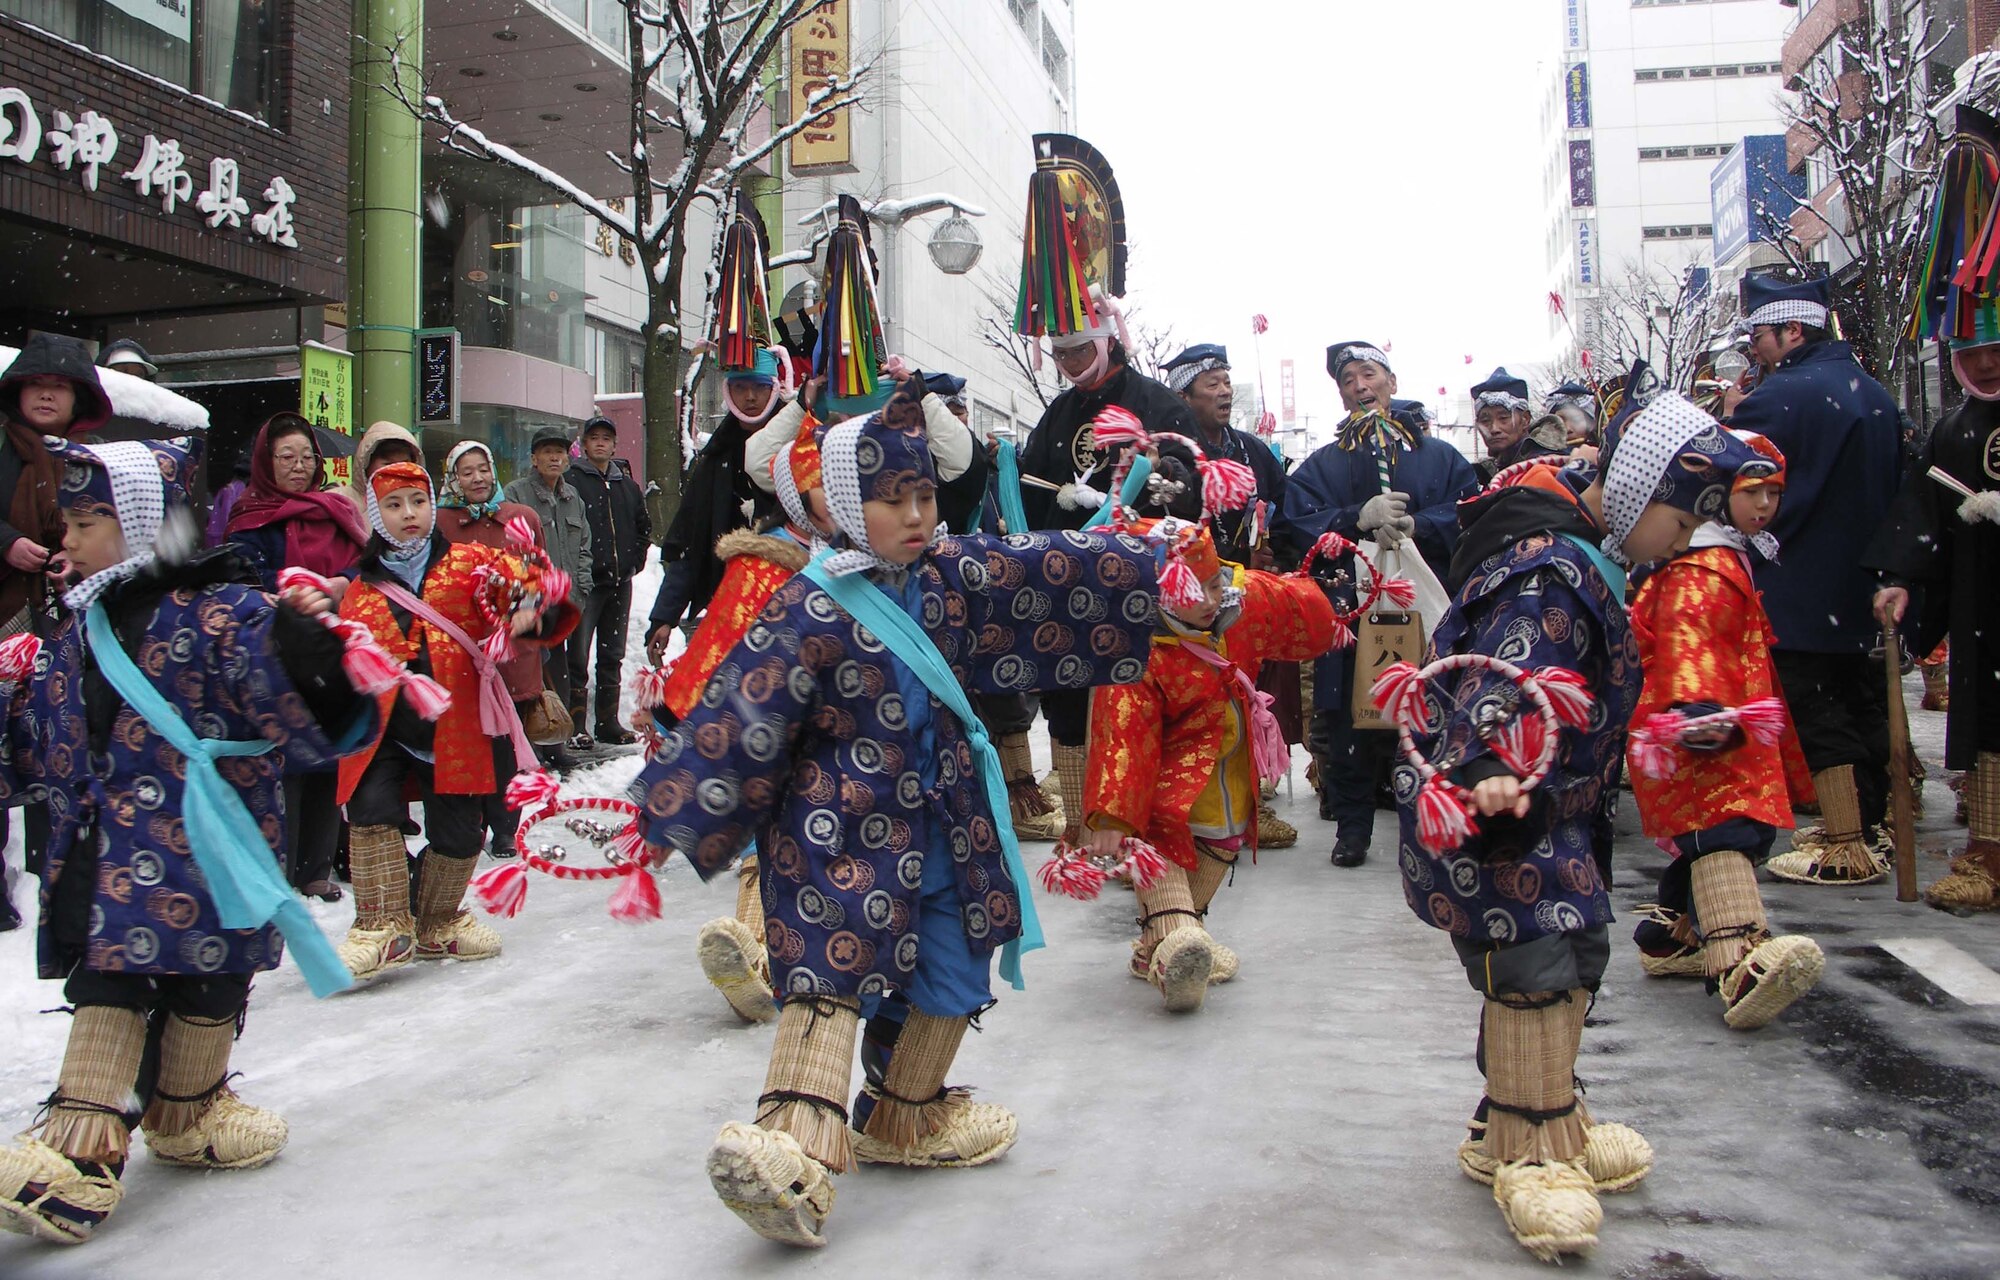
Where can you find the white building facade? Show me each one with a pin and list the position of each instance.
(1646, 97)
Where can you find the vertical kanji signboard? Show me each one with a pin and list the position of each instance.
(437, 377)
(326, 397)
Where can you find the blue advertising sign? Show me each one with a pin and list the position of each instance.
(1576, 95)
(1750, 192)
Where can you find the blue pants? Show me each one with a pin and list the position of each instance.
(950, 981)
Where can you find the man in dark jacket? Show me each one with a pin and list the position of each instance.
(1200, 376)
(1059, 451)
(620, 535)
(1503, 415)
(1839, 431)
(1380, 479)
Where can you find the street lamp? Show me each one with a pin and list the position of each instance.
(955, 246)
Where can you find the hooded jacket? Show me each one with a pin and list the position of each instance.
(621, 530)
(45, 354)
(364, 450)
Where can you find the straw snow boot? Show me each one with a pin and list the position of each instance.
(732, 951)
(1937, 680)
(1536, 1132)
(1070, 768)
(384, 934)
(60, 1186)
(445, 930)
(1668, 947)
(1035, 815)
(775, 1175)
(1757, 975)
(1617, 1157)
(1173, 952)
(912, 1117)
(1274, 832)
(1845, 857)
(195, 1119)
(1211, 872)
(1973, 883)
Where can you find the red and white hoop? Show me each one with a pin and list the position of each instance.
(1078, 873)
(555, 837)
(1657, 749)
(1553, 699)
(1400, 592)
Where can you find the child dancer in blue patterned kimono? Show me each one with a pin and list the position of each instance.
(160, 715)
(838, 734)
(1522, 896)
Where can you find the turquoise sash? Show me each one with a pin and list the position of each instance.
(1008, 489)
(1128, 493)
(235, 859)
(1613, 576)
(872, 608)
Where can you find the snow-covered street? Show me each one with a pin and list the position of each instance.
(549, 1111)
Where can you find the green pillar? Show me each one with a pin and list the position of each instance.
(385, 173)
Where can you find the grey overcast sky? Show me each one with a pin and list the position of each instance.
(1349, 168)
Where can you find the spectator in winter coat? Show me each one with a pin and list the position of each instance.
(1840, 433)
(565, 534)
(226, 498)
(380, 445)
(287, 519)
(621, 533)
(1380, 479)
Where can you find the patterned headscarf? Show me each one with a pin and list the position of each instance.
(1673, 453)
(796, 472)
(453, 496)
(870, 459)
(136, 482)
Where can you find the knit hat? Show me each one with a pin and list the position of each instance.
(1675, 454)
(879, 457)
(137, 482)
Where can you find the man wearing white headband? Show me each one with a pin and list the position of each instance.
(1840, 433)
(1504, 417)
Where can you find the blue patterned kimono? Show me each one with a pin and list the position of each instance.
(1539, 602)
(211, 651)
(803, 741)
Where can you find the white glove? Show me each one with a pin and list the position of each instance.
(1981, 506)
(1383, 508)
(1079, 497)
(1394, 533)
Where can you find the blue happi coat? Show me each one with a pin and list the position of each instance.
(1539, 602)
(803, 741)
(210, 650)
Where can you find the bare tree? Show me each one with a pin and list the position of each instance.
(996, 330)
(1865, 104)
(1648, 313)
(1152, 345)
(696, 72)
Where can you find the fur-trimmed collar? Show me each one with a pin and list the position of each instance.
(781, 551)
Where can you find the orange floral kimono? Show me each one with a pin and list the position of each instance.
(1703, 637)
(755, 566)
(1170, 756)
(464, 753)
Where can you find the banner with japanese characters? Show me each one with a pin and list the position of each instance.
(819, 56)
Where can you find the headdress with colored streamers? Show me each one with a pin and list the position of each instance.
(1552, 699)
(1073, 239)
(851, 353)
(1225, 485)
(1958, 271)
(742, 305)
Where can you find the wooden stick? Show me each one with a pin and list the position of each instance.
(1949, 481)
(1040, 483)
(1900, 792)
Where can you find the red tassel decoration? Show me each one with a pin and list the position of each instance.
(638, 899)
(1329, 544)
(1071, 874)
(1225, 485)
(1519, 743)
(1114, 426)
(629, 844)
(1179, 587)
(556, 586)
(532, 790)
(426, 697)
(17, 656)
(1400, 592)
(1442, 822)
(1399, 693)
(1763, 720)
(1144, 862)
(1343, 635)
(520, 534)
(369, 667)
(1650, 757)
(649, 687)
(1568, 696)
(502, 890)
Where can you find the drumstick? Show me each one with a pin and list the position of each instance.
(1040, 483)
(1938, 474)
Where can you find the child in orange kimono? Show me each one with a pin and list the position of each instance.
(1172, 759)
(1717, 793)
(414, 591)
(756, 564)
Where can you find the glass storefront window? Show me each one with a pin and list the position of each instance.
(223, 49)
(506, 431)
(506, 275)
